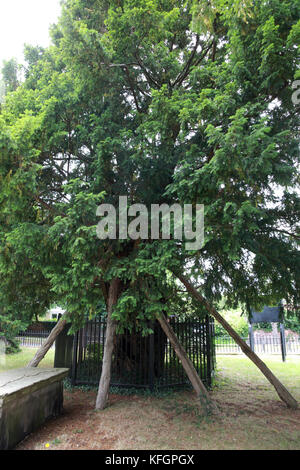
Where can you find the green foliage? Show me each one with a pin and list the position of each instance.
(9, 329)
(292, 323)
(94, 352)
(265, 326)
(9, 72)
(162, 101)
(132, 391)
(238, 321)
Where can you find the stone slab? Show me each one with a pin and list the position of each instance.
(28, 397)
(28, 379)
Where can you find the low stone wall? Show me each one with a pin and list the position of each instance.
(28, 397)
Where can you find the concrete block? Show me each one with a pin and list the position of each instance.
(28, 397)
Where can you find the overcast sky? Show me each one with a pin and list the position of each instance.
(25, 21)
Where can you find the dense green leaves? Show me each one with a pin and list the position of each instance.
(160, 101)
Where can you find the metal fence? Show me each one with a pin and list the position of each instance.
(35, 335)
(147, 362)
(263, 344)
(31, 339)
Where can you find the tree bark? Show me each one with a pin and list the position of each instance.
(283, 393)
(131, 353)
(103, 390)
(208, 405)
(41, 353)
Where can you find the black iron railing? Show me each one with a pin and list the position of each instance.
(147, 362)
(35, 335)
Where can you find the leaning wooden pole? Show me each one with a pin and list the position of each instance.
(103, 390)
(41, 353)
(283, 393)
(207, 403)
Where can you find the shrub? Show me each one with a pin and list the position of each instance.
(9, 329)
(236, 320)
(265, 326)
(293, 324)
(95, 351)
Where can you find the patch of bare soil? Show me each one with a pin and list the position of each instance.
(80, 427)
(170, 423)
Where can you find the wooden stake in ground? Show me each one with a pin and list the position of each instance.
(41, 353)
(283, 393)
(206, 402)
(103, 390)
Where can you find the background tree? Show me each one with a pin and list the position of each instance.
(2, 91)
(10, 73)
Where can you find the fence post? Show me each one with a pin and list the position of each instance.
(282, 342)
(151, 359)
(251, 337)
(208, 351)
(64, 350)
(74, 362)
(213, 342)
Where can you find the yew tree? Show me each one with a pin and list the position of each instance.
(162, 101)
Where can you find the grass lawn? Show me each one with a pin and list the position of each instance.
(239, 368)
(251, 415)
(15, 361)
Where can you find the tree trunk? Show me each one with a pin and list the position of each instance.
(208, 405)
(41, 353)
(131, 355)
(283, 393)
(113, 295)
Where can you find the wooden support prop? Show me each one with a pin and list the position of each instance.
(41, 353)
(283, 393)
(103, 390)
(207, 403)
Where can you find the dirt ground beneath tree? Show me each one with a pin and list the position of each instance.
(252, 417)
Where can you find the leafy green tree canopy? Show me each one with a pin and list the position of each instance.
(162, 101)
